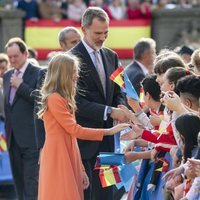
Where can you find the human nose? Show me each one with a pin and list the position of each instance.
(103, 37)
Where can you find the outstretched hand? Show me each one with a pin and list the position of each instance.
(133, 134)
(116, 129)
(172, 173)
(119, 115)
(129, 114)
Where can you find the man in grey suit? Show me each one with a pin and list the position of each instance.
(18, 85)
(144, 55)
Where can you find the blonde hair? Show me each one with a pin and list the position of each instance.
(195, 59)
(59, 79)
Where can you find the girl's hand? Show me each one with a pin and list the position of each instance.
(86, 181)
(133, 134)
(172, 173)
(129, 147)
(197, 170)
(130, 157)
(129, 114)
(155, 120)
(116, 129)
(134, 104)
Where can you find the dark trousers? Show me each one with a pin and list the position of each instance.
(25, 169)
(95, 190)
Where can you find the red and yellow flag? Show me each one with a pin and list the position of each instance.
(109, 176)
(117, 77)
(141, 97)
(165, 165)
(3, 145)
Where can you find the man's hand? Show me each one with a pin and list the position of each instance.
(15, 81)
(119, 115)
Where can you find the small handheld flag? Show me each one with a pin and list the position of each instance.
(165, 165)
(121, 79)
(117, 76)
(3, 146)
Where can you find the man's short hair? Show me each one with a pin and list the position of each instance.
(19, 42)
(151, 86)
(189, 85)
(91, 13)
(143, 45)
(64, 32)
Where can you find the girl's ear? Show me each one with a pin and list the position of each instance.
(148, 96)
(172, 86)
(188, 103)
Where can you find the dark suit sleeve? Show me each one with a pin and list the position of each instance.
(25, 91)
(39, 125)
(90, 110)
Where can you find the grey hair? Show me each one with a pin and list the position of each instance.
(91, 13)
(143, 45)
(63, 33)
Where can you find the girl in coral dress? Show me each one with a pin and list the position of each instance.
(62, 175)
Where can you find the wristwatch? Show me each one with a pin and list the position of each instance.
(109, 110)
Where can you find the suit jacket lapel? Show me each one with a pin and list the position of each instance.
(138, 66)
(8, 87)
(91, 67)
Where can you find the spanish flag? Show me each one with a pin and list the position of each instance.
(165, 165)
(118, 77)
(3, 146)
(109, 176)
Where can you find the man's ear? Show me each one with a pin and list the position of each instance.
(62, 45)
(83, 29)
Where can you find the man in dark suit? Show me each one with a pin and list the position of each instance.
(18, 85)
(97, 96)
(144, 54)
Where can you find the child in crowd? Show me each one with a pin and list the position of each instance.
(188, 125)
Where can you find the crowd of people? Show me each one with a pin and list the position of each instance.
(116, 9)
(59, 118)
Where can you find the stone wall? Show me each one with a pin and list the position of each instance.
(11, 25)
(173, 27)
